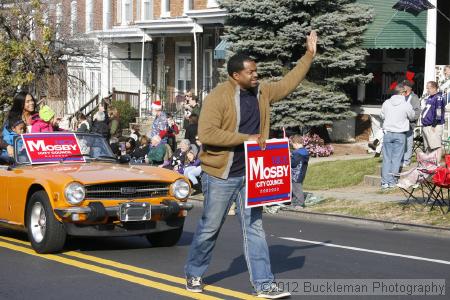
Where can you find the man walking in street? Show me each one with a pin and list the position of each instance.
(396, 114)
(412, 99)
(236, 111)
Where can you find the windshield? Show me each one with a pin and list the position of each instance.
(91, 146)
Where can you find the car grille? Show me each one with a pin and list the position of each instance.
(127, 190)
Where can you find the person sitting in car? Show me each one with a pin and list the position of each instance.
(45, 121)
(13, 128)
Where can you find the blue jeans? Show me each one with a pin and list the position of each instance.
(192, 173)
(393, 150)
(219, 195)
(408, 147)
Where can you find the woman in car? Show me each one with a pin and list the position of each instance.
(23, 107)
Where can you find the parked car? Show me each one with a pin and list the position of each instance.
(97, 197)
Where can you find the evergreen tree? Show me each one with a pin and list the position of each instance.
(274, 32)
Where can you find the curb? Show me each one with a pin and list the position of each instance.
(386, 225)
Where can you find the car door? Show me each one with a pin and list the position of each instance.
(4, 177)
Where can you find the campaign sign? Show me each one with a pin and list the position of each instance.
(268, 173)
(44, 148)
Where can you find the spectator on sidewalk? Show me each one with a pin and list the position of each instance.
(83, 124)
(396, 114)
(142, 150)
(299, 165)
(193, 170)
(444, 86)
(99, 125)
(192, 129)
(135, 132)
(433, 119)
(191, 107)
(172, 132)
(179, 157)
(157, 151)
(160, 124)
(114, 123)
(412, 99)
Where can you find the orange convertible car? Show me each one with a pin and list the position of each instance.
(97, 197)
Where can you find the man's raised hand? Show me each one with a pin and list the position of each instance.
(311, 43)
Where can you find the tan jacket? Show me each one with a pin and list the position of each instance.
(220, 117)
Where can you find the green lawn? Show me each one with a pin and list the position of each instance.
(340, 173)
(385, 211)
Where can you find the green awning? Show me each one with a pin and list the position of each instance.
(220, 50)
(392, 29)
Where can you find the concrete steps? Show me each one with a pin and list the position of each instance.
(373, 180)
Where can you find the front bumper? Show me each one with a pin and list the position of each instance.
(166, 208)
(95, 219)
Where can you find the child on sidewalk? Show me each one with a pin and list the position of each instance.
(299, 164)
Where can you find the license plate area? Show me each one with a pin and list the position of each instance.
(133, 211)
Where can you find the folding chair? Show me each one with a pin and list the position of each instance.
(418, 178)
(441, 182)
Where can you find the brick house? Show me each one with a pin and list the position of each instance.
(174, 40)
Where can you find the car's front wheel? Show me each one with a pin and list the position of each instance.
(165, 238)
(46, 234)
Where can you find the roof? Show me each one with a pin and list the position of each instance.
(392, 29)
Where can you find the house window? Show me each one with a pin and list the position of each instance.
(119, 12)
(147, 11)
(126, 75)
(165, 8)
(128, 12)
(73, 17)
(207, 70)
(183, 68)
(187, 5)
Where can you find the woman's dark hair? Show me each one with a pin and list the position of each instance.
(236, 63)
(18, 105)
(193, 119)
(132, 143)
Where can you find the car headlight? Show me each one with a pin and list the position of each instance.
(75, 193)
(180, 189)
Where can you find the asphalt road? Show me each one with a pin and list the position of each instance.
(128, 268)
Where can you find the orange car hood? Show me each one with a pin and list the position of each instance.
(103, 172)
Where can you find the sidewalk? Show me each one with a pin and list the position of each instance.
(314, 160)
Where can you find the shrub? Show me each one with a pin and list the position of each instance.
(127, 113)
(316, 146)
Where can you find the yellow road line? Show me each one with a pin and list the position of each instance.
(104, 271)
(170, 278)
